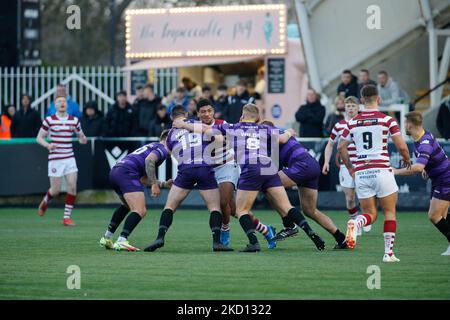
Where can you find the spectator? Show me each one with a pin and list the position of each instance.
(233, 110)
(5, 121)
(260, 86)
(146, 110)
(193, 89)
(220, 105)
(260, 104)
(73, 108)
(310, 116)
(364, 79)
(26, 121)
(160, 123)
(336, 116)
(93, 122)
(180, 98)
(139, 95)
(192, 109)
(121, 118)
(349, 85)
(207, 93)
(389, 91)
(443, 120)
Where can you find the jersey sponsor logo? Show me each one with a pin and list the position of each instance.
(426, 141)
(367, 122)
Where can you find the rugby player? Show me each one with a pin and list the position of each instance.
(301, 169)
(60, 128)
(193, 170)
(374, 179)
(253, 144)
(227, 172)
(432, 162)
(345, 179)
(128, 178)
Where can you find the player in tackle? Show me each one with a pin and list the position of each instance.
(193, 171)
(227, 173)
(374, 179)
(301, 169)
(60, 128)
(432, 162)
(345, 179)
(128, 179)
(255, 146)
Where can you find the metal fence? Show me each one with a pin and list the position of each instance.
(100, 83)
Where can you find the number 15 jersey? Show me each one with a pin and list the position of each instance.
(369, 131)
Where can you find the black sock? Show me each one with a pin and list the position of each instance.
(165, 222)
(249, 228)
(339, 236)
(444, 228)
(299, 219)
(132, 221)
(287, 222)
(117, 218)
(215, 223)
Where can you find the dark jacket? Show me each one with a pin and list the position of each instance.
(332, 119)
(443, 120)
(350, 89)
(146, 112)
(220, 106)
(234, 107)
(157, 126)
(94, 126)
(25, 124)
(310, 116)
(121, 122)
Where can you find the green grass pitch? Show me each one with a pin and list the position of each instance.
(35, 253)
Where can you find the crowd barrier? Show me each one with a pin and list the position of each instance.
(24, 168)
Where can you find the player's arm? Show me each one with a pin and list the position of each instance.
(42, 134)
(414, 169)
(327, 156)
(342, 148)
(192, 127)
(80, 134)
(402, 149)
(150, 170)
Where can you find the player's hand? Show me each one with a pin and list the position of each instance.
(83, 139)
(405, 164)
(155, 190)
(178, 123)
(168, 184)
(326, 168)
(425, 175)
(51, 147)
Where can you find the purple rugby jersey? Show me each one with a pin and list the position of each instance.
(136, 159)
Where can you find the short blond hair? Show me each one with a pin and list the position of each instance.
(250, 111)
(415, 118)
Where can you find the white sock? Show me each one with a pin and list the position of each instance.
(121, 239)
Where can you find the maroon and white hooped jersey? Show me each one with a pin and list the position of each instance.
(60, 132)
(336, 133)
(369, 131)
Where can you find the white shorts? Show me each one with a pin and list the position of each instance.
(345, 179)
(228, 172)
(378, 183)
(60, 168)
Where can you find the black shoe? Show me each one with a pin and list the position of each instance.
(158, 243)
(320, 244)
(341, 246)
(252, 248)
(218, 247)
(285, 233)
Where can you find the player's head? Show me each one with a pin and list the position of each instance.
(163, 136)
(61, 104)
(267, 123)
(413, 123)
(351, 106)
(205, 111)
(369, 95)
(178, 111)
(250, 112)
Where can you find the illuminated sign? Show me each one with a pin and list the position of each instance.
(206, 31)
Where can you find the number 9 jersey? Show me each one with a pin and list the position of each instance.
(369, 131)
